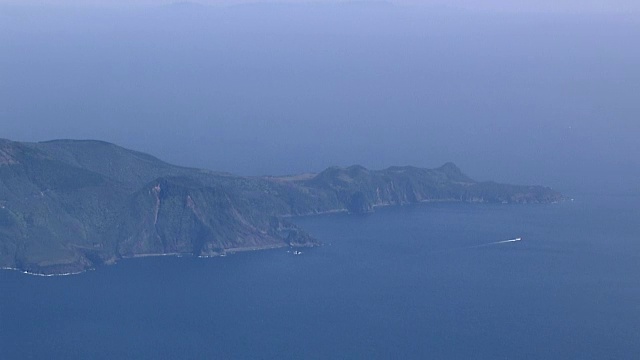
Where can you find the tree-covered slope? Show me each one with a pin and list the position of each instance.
(67, 206)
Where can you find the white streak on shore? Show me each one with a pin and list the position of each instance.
(44, 275)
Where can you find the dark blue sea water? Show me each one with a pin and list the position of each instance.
(407, 283)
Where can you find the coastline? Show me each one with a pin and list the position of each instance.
(422, 201)
(114, 261)
(326, 212)
(225, 252)
(46, 275)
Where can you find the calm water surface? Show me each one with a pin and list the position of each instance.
(414, 282)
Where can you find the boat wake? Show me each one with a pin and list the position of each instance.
(496, 243)
(484, 245)
(504, 241)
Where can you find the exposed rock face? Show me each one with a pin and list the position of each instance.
(66, 206)
(6, 155)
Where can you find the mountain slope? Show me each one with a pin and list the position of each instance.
(66, 205)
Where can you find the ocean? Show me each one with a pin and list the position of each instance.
(429, 281)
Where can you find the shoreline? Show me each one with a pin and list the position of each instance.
(424, 201)
(225, 252)
(114, 261)
(327, 212)
(45, 275)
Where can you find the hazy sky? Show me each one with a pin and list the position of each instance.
(490, 5)
(547, 98)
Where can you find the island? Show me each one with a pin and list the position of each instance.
(67, 206)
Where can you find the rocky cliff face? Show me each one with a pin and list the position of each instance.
(66, 206)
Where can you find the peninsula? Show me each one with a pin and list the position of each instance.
(69, 205)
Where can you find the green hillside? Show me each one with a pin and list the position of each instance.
(67, 205)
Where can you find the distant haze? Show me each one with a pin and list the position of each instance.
(487, 5)
(534, 92)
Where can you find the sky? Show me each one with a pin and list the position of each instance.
(487, 5)
(533, 93)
